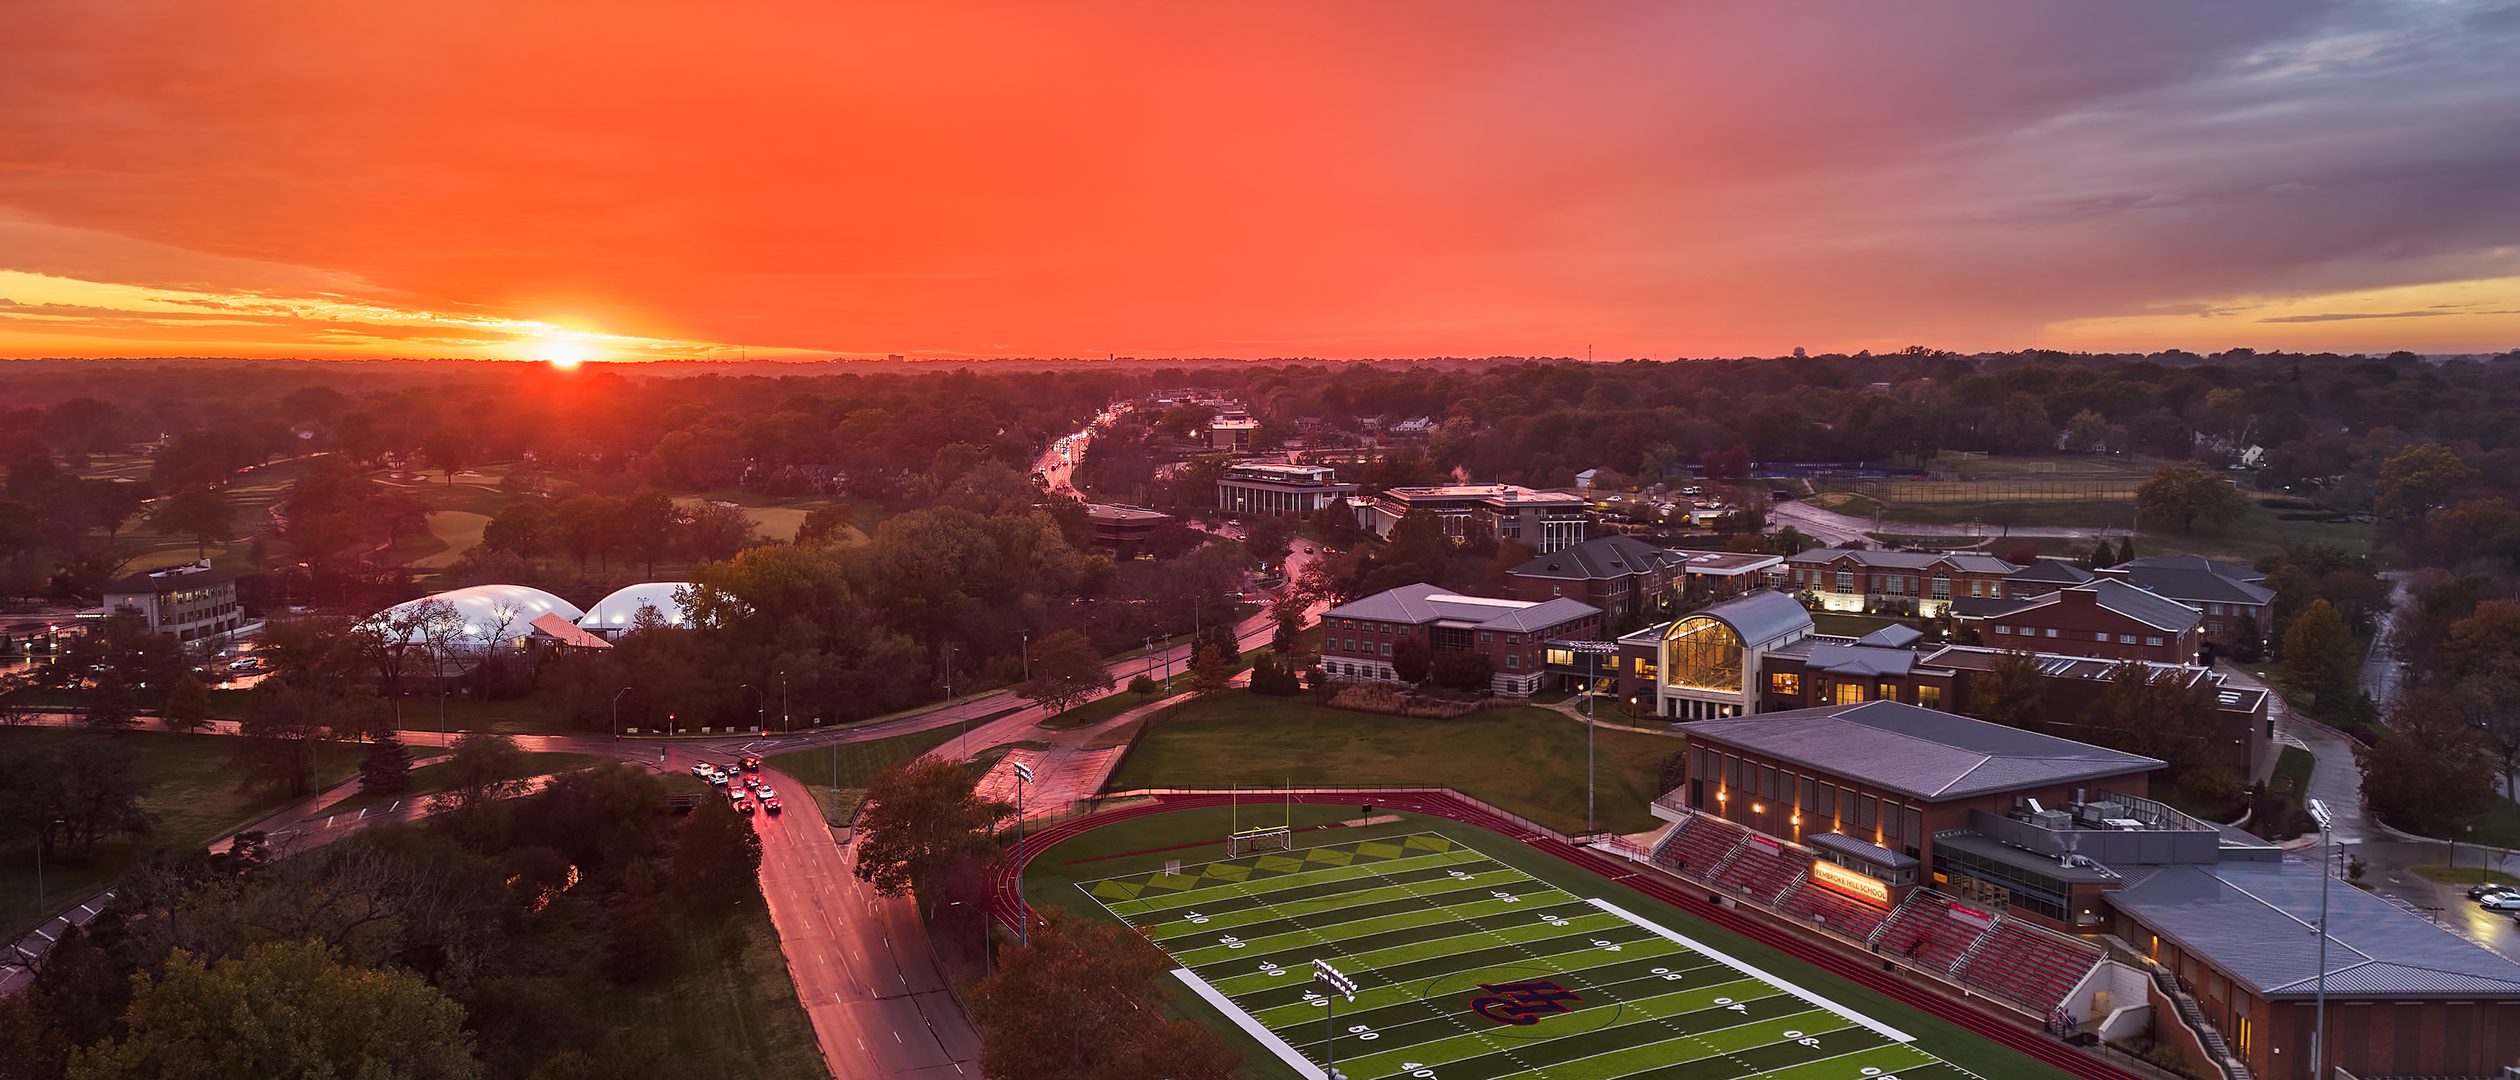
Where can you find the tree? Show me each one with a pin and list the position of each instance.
(2427, 772)
(2418, 478)
(717, 858)
(1066, 672)
(284, 1009)
(485, 768)
(1211, 670)
(1143, 686)
(1411, 660)
(2011, 693)
(647, 522)
(523, 528)
(2087, 432)
(2189, 492)
(387, 768)
(921, 821)
(824, 524)
(187, 705)
(2024, 427)
(112, 705)
(448, 451)
(1120, 1030)
(1463, 670)
(1268, 539)
(196, 511)
(2319, 657)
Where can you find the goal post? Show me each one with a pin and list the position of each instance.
(1249, 841)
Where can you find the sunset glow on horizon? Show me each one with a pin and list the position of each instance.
(571, 183)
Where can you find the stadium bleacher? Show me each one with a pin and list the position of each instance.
(1699, 846)
(1925, 932)
(2029, 965)
(1763, 868)
(1835, 910)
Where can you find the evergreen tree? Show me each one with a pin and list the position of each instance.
(387, 768)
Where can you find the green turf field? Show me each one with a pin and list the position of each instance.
(1469, 968)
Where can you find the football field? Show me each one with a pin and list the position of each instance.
(1466, 969)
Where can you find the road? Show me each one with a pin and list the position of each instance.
(1829, 526)
(2382, 671)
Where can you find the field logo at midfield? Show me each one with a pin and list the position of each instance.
(1523, 1003)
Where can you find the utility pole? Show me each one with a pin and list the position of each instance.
(2318, 1031)
(1023, 914)
(616, 711)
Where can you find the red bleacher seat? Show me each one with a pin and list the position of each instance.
(1760, 873)
(2029, 966)
(1923, 932)
(1833, 909)
(1700, 844)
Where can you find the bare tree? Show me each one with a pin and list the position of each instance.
(441, 629)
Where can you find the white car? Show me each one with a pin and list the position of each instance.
(701, 770)
(765, 792)
(2501, 902)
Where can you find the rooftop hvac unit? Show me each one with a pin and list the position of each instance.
(2052, 819)
(2095, 813)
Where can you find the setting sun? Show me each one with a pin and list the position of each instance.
(567, 354)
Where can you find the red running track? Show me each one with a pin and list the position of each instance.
(1007, 905)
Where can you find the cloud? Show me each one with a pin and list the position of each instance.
(2342, 316)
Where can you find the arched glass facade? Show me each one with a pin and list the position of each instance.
(1703, 654)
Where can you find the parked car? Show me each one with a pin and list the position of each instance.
(2479, 892)
(2501, 902)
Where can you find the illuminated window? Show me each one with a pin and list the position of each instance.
(1845, 580)
(1942, 586)
(1929, 696)
(1703, 653)
(1849, 693)
(1787, 683)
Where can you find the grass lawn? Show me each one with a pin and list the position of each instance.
(836, 775)
(1395, 910)
(2292, 769)
(192, 790)
(2500, 827)
(2464, 875)
(730, 1012)
(429, 780)
(1528, 760)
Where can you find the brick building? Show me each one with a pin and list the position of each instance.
(1278, 490)
(2233, 599)
(1544, 521)
(188, 603)
(1360, 637)
(1123, 530)
(2103, 617)
(1861, 579)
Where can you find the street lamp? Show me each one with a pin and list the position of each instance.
(1027, 647)
(761, 707)
(616, 711)
(783, 703)
(1023, 915)
(40, 907)
(2318, 1031)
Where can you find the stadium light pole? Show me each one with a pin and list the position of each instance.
(2318, 1029)
(1593, 660)
(1023, 915)
(1342, 986)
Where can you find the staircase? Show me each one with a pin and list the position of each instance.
(2194, 1018)
(1971, 954)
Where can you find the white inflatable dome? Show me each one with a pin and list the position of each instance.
(613, 615)
(490, 609)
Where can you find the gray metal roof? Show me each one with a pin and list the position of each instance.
(2150, 608)
(1600, 558)
(1861, 660)
(1760, 616)
(1859, 849)
(1921, 752)
(2194, 586)
(1908, 560)
(1424, 603)
(2256, 921)
(1893, 636)
(2051, 571)
(2234, 571)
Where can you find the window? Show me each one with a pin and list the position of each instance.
(2003, 630)
(1486, 636)
(1513, 661)
(1867, 810)
(1975, 585)
(2213, 609)
(1845, 580)
(1767, 781)
(1850, 693)
(2051, 631)
(1704, 653)
(1929, 696)
(1887, 691)
(1786, 682)
(2126, 639)
(2153, 640)
(1386, 648)
(1942, 586)
(2102, 638)
(1557, 590)
(1826, 806)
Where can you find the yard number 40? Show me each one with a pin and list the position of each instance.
(1419, 1070)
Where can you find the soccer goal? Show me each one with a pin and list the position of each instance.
(1249, 841)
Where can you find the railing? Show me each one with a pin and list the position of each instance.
(1482, 805)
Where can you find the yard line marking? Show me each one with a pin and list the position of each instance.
(1850, 1015)
(1456, 845)
(1302, 1066)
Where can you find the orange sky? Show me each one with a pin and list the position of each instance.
(293, 177)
